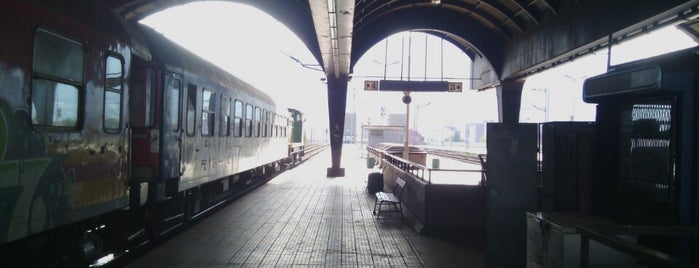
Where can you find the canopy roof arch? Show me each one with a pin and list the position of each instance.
(473, 40)
(511, 38)
(508, 39)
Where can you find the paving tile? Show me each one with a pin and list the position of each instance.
(301, 218)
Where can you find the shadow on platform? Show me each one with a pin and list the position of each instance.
(303, 218)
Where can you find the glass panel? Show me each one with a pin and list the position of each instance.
(248, 120)
(258, 127)
(191, 109)
(225, 117)
(114, 74)
(238, 114)
(54, 104)
(264, 123)
(207, 114)
(112, 111)
(58, 57)
(172, 102)
(112, 94)
(207, 101)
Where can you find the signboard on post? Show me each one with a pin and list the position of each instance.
(413, 86)
(455, 86)
(371, 85)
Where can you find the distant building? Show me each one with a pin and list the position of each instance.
(393, 132)
(379, 134)
(475, 133)
(350, 134)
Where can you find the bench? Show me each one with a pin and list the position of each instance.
(392, 198)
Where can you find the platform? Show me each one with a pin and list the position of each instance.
(302, 218)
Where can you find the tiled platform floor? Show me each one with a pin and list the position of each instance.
(302, 218)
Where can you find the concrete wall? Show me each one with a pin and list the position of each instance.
(439, 208)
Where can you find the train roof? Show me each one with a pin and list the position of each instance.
(98, 15)
(170, 53)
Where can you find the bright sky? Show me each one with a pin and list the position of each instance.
(251, 45)
(254, 46)
(561, 87)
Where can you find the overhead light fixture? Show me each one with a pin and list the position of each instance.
(331, 6)
(436, 2)
(332, 17)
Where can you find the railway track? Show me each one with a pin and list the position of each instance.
(466, 157)
(311, 150)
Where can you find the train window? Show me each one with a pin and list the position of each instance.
(225, 117)
(272, 120)
(258, 120)
(286, 120)
(276, 126)
(264, 123)
(113, 85)
(238, 118)
(191, 109)
(173, 86)
(58, 67)
(269, 123)
(248, 120)
(376, 132)
(142, 98)
(207, 112)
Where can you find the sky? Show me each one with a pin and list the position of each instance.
(561, 87)
(258, 49)
(253, 46)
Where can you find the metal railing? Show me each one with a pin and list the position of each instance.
(421, 172)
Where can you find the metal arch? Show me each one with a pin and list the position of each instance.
(510, 17)
(130, 9)
(484, 17)
(458, 41)
(525, 10)
(482, 41)
(360, 20)
(546, 4)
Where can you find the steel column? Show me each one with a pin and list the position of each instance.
(509, 100)
(337, 102)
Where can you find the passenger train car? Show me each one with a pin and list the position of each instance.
(110, 134)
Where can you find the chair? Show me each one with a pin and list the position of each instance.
(392, 198)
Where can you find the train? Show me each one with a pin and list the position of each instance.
(111, 135)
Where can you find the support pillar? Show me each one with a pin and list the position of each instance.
(337, 102)
(509, 100)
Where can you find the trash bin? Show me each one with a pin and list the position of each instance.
(435, 163)
(374, 182)
(370, 162)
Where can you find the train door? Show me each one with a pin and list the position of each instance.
(144, 143)
(209, 159)
(171, 132)
(224, 144)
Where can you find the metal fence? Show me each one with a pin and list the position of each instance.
(421, 172)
